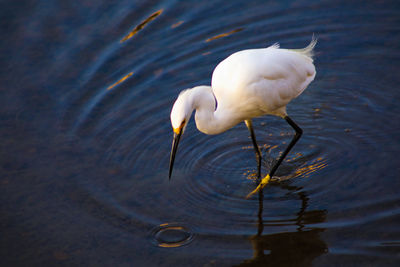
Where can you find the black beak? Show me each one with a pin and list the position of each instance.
(174, 148)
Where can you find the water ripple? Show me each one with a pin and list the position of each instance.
(213, 174)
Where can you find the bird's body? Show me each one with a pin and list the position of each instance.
(257, 82)
(247, 84)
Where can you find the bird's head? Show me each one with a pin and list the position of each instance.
(181, 112)
(180, 115)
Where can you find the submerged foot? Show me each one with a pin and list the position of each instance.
(260, 186)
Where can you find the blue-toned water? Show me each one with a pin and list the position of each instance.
(85, 94)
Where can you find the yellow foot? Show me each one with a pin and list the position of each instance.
(260, 186)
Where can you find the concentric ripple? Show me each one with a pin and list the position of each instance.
(127, 115)
(171, 235)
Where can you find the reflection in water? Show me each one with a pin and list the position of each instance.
(290, 248)
(304, 170)
(141, 25)
(224, 34)
(120, 81)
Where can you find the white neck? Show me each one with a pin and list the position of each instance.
(209, 120)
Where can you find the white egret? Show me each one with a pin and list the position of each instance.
(247, 84)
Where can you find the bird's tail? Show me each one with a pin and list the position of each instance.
(309, 49)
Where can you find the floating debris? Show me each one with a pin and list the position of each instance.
(141, 25)
(224, 34)
(177, 24)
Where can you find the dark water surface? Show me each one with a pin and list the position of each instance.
(85, 94)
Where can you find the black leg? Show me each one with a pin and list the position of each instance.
(249, 125)
(296, 137)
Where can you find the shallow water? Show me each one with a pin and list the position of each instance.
(85, 95)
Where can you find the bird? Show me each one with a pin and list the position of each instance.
(248, 84)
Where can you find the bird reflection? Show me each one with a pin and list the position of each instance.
(298, 248)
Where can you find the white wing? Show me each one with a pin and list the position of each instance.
(261, 81)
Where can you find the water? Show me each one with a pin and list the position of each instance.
(172, 235)
(86, 91)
